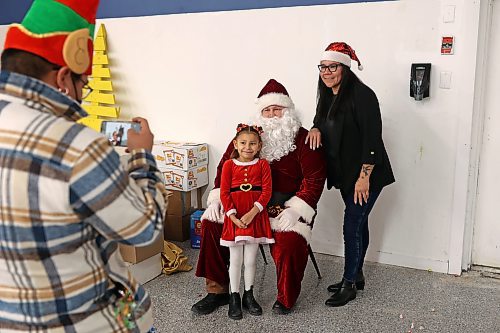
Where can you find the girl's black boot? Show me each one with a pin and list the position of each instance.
(250, 304)
(235, 306)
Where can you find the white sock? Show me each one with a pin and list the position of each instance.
(235, 261)
(250, 256)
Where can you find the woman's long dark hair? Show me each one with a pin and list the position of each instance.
(342, 102)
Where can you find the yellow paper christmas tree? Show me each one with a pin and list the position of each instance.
(100, 104)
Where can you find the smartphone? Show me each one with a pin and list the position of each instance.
(116, 131)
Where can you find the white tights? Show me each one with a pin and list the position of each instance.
(238, 255)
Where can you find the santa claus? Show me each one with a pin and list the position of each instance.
(298, 177)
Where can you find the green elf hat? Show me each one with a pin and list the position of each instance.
(59, 31)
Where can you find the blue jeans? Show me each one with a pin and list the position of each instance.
(356, 234)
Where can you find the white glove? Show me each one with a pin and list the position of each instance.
(213, 212)
(287, 219)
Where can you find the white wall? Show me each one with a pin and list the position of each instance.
(195, 76)
(3, 31)
(486, 249)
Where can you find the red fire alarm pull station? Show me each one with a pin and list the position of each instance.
(447, 44)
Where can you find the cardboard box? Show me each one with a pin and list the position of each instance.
(176, 228)
(183, 203)
(183, 180)
(136, 254)
(146, 270)
(195, 227)
(179, 203)
(180, 155)
(159, 155)
(184, 156)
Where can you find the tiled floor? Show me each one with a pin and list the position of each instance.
(395, 300)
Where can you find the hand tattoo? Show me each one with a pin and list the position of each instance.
(366, 170)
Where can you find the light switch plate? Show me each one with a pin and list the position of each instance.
(445, 80)
(449, 14)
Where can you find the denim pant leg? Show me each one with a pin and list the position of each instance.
(365, 236)
(356, 235)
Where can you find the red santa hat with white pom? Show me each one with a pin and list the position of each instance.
(274, 93)
(342, 53)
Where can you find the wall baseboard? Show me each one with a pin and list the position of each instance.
(381, 257)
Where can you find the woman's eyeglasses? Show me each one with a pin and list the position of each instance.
(332, 68)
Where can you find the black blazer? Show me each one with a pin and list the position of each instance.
(353, 138)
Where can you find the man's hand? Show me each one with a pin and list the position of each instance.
(314, 138)
(250, 215)
(142, 139)
(213, 212)
(237, 222)
(287, 219)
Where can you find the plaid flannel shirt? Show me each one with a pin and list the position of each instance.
(65, 202)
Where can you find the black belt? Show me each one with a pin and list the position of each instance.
(246, 188)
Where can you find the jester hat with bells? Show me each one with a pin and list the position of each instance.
(60, 31)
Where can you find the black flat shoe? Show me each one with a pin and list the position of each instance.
(250, 304)
(210, 303)
(346, 294)
(360, 284)
(235, 306)
(280, 309)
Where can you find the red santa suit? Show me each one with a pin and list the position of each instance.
(243, 186)
(301, 175)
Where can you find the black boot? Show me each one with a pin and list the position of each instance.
(249, 303)
(360, 283)
(235, 306)
(280, 309)
(346, 294)
(210, 303)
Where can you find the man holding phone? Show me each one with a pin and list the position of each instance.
(117, 131)
(66, 200)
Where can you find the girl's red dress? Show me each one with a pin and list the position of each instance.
(243, 186)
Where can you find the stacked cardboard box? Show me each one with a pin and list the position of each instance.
(135, 255)
(177, 221)
(184, 165)
(143, 262)
(185, 168)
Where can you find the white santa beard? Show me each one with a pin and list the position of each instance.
(279, 135)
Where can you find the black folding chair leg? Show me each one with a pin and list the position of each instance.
(313, 259)
(263, 254)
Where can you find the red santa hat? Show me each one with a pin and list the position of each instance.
(341, 52)
(274, 93)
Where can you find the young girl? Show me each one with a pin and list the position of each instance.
(245, 191)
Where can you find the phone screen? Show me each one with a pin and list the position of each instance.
(116, 131)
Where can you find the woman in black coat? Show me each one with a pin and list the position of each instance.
(349, 126)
